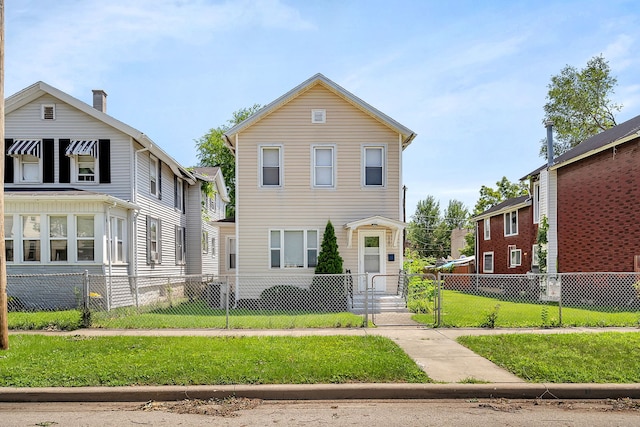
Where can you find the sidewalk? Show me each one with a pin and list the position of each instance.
(434, 350)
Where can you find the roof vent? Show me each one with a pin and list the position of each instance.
(318, 116)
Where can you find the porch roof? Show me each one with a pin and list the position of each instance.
(376, 221)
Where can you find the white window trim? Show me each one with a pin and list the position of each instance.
(22, 239)
(181, 243)
(235, 252)
(78, 238)
(535, 261)
(43, 107)
(318, 115)
(11, 238)
(507, 215)
(75, 166)
(512, 250)
(65, 239)
(484, 264)
(363, 162)
(536, 202)
(115, 238)
(305, 245)
(213, 246)
(261, 149)
(21, 164)
(153, 170)
(487, 228)
(204, 242)
(314, 149)
(180, 201)
(150, 254)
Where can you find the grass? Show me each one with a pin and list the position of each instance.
(465, 310)
(199, 315)
(67, 320)
(607, 357)
(58, 361)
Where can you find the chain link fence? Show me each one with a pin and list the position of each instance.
(346, 300)
(538, 300)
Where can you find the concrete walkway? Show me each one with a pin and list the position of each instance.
(434, 350)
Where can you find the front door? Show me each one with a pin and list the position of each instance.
(371, 262)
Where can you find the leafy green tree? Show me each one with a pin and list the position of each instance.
(212, 151)
(421, 231)
(456, 215)
(578, 104)
(470, 244)
(329, 259)
(504, 190)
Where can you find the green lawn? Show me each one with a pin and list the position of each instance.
(464, 310)
(56, 361)
(607, 357)
(67, 320)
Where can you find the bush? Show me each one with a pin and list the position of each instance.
(283, 297)
(421, 295)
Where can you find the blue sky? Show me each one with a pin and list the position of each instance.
(469, 77)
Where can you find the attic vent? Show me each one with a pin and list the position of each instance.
(49, 112)
(318, 116)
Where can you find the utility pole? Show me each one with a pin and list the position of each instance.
(4, 324)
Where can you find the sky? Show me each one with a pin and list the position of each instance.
(469, 77)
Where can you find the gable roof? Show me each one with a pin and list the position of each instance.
(212, 174)
(38, 89)
(407, 134)
(506, 206)
(611, 137)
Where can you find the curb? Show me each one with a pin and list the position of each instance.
(322, 392)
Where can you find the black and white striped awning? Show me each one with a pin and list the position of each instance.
(21, 147)
(82, 147)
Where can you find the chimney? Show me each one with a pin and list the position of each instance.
(549, 125)
(100, 100)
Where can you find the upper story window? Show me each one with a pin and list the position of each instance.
(154, 176)
(323, 166)
(179, 195)
(270, 166)
(48, 112)
(28, 154)
(536, 202)
(511, 223)
(487, 228)
(374, 166)
(84, 154)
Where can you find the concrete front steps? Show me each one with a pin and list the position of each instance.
(379, 303)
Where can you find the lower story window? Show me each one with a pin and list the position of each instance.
(8, 238)
(293, 248)
(487, 262)
(180, 245)
(232, 253)
(515, 257)
(85, 236)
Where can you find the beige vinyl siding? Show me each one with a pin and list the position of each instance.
(296, 204)
(71, 123)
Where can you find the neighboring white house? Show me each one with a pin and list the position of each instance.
(315, 154)
(84, 191)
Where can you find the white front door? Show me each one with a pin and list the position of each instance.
(371, 260)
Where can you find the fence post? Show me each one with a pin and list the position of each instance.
(366, 301)
(560, 304)
(438, 298)
(86, 315)
(226, 302)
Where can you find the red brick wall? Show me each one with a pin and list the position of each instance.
(599, 211)
(499, 244)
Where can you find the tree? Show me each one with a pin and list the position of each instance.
(212, 151)
(578, 104)
(421, 230)
(504, 190)
(329, 259)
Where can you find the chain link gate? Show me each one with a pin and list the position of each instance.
(394, 299)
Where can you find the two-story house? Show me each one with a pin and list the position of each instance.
(84, 191)
(315, 154)
(587, 198)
